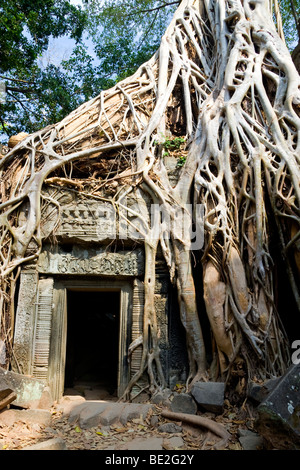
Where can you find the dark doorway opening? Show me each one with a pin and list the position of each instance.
(92, 355)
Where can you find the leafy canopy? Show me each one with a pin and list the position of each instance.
(26, 27)
(111, 39)
(290, 13)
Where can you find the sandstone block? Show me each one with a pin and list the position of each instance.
(183, 403)
(209, 395)
(279, 414)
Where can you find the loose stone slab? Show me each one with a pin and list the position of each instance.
(46, 400)
(259, 392)
(91, 414)
(209, 395)
(7, 394)
(152, 443)
(68, 403)
(169, 427)
(7, 417)
(112, 414)
(162, 398)
(87, 414)
(279, 414)
(175, 442)
(28, 390)
(51, 444)
(134, 411)
(183, 403)
(250, 440)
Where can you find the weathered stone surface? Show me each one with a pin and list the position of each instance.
(140, 398)
(152, 443)
(250, 440)
(162, 398)
(2, 353)
(169, 427)
(154, 421)
(183, 403)
(41, 417)
(28, 390)
(259, 392)
(174, 442)
(51, 444)
(279, 414)
(68, 403)
(90, 417)
(46, 400)
(25, 319)
(91, 261)
(209, 395)
(7, 417)
(87, 414)
(16, 139)
(83, 220)
(112, 414)
(90, 414)
(134, 411)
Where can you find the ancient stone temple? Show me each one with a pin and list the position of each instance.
(80, 304)
(151, 237)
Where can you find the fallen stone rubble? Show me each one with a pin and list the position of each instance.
(279, 414)
(202, 419)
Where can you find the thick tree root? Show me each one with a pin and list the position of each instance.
(205, 423)
(225, 82)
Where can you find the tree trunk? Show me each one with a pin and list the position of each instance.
(296, 57)
(225, 82)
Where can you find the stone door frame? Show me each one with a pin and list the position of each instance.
(57, 355)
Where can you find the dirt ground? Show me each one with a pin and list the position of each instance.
(17, 435)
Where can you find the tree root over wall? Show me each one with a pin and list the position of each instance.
(225, 75)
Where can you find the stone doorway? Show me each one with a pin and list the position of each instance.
(92, 344)
(40, 341)
(97, 349)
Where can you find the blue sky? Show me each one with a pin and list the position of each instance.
(61, 48)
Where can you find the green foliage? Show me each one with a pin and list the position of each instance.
(290, 13)
(26, 25)
(35, 96)
(122, 34)
(181, 161)
(173, 144)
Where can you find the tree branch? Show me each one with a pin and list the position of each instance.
(154, 9)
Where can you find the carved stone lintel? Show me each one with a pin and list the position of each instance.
(92, 262)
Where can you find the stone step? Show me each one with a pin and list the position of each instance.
(93, 413)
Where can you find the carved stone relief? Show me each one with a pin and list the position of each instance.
(75, 218)
(25, 320)
(92, 262)
(42, 329)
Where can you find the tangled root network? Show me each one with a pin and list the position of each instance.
(223, 88)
